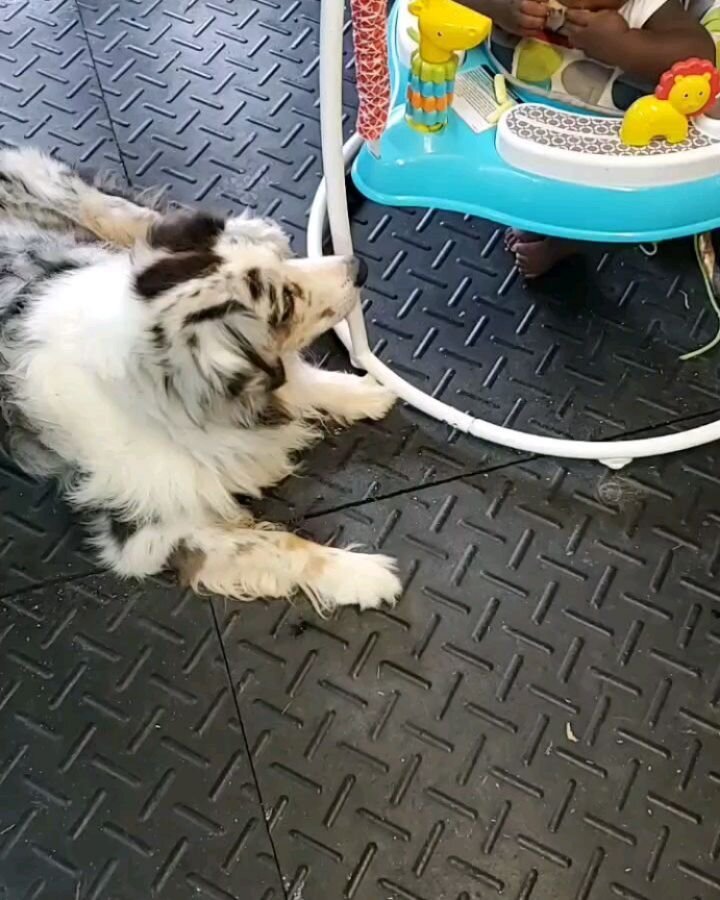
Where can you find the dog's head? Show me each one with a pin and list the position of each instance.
(228, 301)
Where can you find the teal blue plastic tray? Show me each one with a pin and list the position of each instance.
(461, 171)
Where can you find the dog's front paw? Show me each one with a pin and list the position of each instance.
(369, 400)
(365, 580)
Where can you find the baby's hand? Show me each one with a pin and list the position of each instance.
(523, 17)
(594, 32)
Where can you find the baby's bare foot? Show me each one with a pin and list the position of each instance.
(536, 257)
(515, 236)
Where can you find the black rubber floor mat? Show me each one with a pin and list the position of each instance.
(123, 773)
(49, 94)
(39, 542)
(537, 718)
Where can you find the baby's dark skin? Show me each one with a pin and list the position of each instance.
(597, 28)
(669, 36)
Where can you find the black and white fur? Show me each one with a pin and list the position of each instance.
(152, 363)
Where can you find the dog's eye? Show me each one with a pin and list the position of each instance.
(282, 304)
(290, 294)
(255, 284)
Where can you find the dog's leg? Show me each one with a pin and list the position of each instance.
(341, 396)
(35, 187)
(250, 562)
(246, 561)
(132, 549)
(40, 189)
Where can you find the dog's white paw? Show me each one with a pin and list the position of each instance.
(346, 578)
(369, 400)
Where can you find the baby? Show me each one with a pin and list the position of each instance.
(604, 55)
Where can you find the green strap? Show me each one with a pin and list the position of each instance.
(707, 279)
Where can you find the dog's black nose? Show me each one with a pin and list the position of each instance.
(358, 271)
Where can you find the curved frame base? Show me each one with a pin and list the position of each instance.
(330, 203)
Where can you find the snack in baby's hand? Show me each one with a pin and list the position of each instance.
(555, 15)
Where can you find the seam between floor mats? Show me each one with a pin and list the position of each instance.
(246, 743)
(499, 467)
(484, 470)
(103, 100)
(243, 723)
(216, 624)
(51, 582)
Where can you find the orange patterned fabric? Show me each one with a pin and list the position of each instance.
(369, 19)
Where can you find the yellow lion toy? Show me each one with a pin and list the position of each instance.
(687, 90)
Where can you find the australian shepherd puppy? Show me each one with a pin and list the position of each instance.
(152, 363)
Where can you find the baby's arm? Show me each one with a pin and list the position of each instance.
(669, 36)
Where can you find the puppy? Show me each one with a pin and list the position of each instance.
(152, 364)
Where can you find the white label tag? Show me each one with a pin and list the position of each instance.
(475, 98)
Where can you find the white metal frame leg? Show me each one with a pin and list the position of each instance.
(331, 202)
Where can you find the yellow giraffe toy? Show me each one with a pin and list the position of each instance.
(444, 29)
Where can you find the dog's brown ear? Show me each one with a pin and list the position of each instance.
(171, 271)
(185, 232)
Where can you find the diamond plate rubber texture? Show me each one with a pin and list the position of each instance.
(49, 94)
(539, 716)
(123, 772)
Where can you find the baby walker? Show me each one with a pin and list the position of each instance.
(431, 105)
